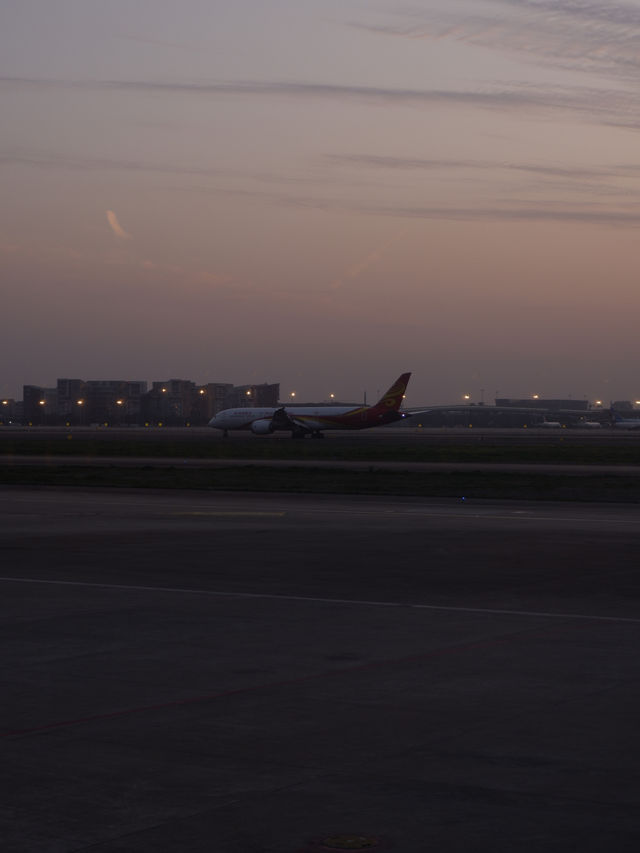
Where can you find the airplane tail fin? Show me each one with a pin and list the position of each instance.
(392, 399)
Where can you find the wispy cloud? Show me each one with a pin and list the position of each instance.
(117, 229)
(288, 89)
(49, 160)
(614, 183)
(378, 161)
(604, 106)
(56, 161)
(584, 35)
(588, 214)
(622, 214)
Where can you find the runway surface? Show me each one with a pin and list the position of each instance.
(540, 468)
(244, 673)
(390, 436)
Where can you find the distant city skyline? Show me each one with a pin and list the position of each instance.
(323, 194)
(294, 397)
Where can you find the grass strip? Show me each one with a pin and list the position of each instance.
(334, 449)
(458, 485)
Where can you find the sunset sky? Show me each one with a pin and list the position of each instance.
(323, 194)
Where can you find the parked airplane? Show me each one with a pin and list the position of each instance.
(624, 423)
(312, 420)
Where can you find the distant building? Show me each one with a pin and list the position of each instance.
(540, 403)
(169, 403)
(71, 402)
(40, 405)
(113, 401)
(209, 400)
(622, 405)
(8, 411)
(253, 396)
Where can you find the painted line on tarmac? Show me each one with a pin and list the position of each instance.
(318, 600)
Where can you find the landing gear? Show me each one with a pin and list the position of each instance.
(225, 434)
(317, 435)
(298, 433)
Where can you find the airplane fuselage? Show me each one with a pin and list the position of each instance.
(314, 419)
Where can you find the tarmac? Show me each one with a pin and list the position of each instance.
(553, 469)
(246, 673)
(399, 436)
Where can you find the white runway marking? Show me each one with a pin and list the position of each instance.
(312, 600)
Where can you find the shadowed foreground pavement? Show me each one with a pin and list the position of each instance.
(233, 672)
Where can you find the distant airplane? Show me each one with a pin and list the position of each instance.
(550, 424)
(313, 420)
(624, 423)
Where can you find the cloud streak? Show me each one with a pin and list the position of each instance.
(378, 161)
(117, 229)
(583, 35)
(589, 215)
(598, 105)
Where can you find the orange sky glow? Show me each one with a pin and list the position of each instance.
(323, 195)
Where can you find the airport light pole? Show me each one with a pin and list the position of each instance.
(467, 399)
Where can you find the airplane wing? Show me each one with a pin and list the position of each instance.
(281, 419)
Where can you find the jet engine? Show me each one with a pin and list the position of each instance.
(262, 427)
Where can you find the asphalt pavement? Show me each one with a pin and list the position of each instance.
(274, 674)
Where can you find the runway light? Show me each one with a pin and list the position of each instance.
(80, 402)
(42, 402)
